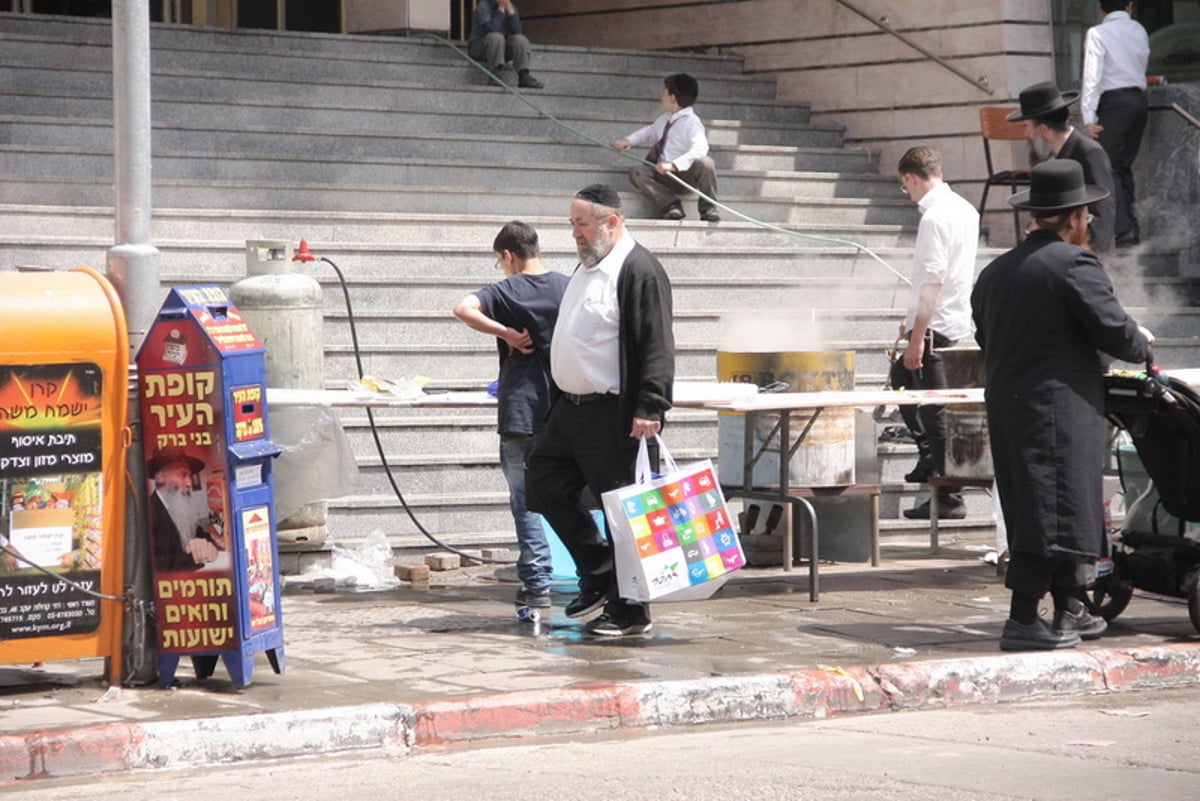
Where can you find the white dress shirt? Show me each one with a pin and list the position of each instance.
(1115, 54)
(686, 141)
(585, 351)
(947, 241)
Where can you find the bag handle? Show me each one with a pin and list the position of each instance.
(642, 473)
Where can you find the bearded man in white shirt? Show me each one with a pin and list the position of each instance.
(612, 359)
(1113, 101)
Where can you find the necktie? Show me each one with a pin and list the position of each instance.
(656, 152)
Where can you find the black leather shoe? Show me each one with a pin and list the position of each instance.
(921, 473)
(585, 603)
(1083, 623)
(1037, 636)
(710, 216)
(947, 510)
(674, 213)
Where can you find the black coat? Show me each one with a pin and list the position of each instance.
(1096, 170)
(1043, 311)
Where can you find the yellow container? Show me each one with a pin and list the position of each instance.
(64, 373)
(826, 455)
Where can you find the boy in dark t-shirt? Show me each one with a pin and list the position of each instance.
(520, 312)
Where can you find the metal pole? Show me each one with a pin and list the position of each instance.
(133, 270)
(132, 261)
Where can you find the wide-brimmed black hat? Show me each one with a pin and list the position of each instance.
(1041, 100)
(1057, 185)
(172, 454)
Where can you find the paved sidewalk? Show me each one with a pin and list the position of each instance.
(400, 669)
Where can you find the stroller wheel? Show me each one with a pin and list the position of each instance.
(1192, 583)
(1108, 595)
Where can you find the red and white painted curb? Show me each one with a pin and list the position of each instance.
(396, 729)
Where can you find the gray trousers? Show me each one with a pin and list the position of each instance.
(494, 50)
(664, 192)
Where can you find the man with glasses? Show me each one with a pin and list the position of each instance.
(1047, 321)
(613, 358)
(939, 313)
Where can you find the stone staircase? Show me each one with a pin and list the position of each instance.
(399, 162)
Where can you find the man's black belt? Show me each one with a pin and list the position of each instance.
(590, 397)
(1123, 89)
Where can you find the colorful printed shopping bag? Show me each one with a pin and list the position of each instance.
(673, 537)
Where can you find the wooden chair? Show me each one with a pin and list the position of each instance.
(994, 126)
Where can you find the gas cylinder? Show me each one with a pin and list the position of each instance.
(284, 308)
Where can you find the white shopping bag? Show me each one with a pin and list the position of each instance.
(673, 536)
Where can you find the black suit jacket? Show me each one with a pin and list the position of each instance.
(1096, 170)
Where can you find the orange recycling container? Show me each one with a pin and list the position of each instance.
(64, 378)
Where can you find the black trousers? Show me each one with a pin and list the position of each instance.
(928, 421)
(1123, 114)
(1037, 575)
(578, 449)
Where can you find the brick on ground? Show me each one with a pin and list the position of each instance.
(413, 573)
(443, 561)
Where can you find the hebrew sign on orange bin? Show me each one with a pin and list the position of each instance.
(63, 374)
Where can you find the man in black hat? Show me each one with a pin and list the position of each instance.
(1044, 312)
(612, 358)
(1046, 113)
(180, 541)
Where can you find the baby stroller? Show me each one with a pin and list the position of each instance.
(1162, 417)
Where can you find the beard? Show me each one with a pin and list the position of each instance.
(1039, 151)
(1079, 237)
(591, 255)
(182, 508)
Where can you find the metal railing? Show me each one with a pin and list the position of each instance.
(1188, 117)
(882, 23)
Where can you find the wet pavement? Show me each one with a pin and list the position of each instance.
(457, 644)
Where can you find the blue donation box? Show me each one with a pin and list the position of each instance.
(210, 506)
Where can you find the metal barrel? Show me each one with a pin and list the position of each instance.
(826, 454)
(968, 447)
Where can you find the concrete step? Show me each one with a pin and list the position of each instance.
(773, 294)
(690, 325)
(844, 172)
(211, 185)
(354, 238)
(372, 161)
(436, 65)
(473, 431)
(278, 115)
(171, 42)
(408, 91)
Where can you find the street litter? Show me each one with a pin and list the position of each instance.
(367, 567)
(841, 671)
